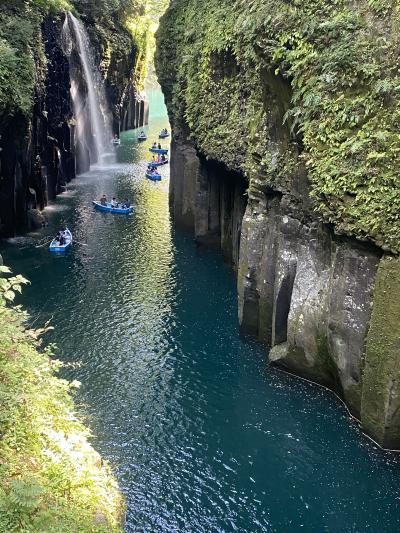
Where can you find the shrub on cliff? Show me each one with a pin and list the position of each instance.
(17, 65)
(22, 62)
(51, 479)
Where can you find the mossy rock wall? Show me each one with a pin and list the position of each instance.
(260, 82)
(302, 100)
(381, 380)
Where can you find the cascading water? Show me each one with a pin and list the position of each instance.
(91, 111)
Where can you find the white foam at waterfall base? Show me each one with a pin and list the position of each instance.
(91, 107)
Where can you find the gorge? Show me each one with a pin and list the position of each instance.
(276, 147)
(267, 251)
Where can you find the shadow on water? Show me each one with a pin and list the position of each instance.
(202, 435)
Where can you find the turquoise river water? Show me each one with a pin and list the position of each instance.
(202, 435)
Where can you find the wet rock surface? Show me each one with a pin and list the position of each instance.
(37, 152)
(309, 300)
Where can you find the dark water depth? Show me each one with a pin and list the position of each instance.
(202, 436)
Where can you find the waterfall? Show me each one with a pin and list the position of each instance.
(91, 111)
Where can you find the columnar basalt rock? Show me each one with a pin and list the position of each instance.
(37, 151)
(320, 295)
(380, 410)
(308, 295)
(208, 199)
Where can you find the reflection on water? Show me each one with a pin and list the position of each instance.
(202, 435)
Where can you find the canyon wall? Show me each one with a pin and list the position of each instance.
(37, 127)
(284, 154)
(36, 138)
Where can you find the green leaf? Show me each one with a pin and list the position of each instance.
(9, 295)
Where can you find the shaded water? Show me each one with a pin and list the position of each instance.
(202, 436)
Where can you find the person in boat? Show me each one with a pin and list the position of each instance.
(114, 202)
(159, 146)
(60, 238)
(103, 200)
(154, 145)
(116, 138)
(162, 158)
(142, 134)
(126, 204)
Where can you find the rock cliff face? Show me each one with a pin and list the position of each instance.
(36, 149)
(318, 294)
(207, 198)
(37, 137)
(117, 55)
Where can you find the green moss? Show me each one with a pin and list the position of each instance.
(51, 479)
(265, 311)
(380, 409)
(257, 82)
(22, 62)
(123, 33)
(324, 359)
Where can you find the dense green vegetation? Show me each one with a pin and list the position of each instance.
(116, 26)
(17, 58)
(326, 74)
(51, 479)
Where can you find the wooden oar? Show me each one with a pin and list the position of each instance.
(44, 244)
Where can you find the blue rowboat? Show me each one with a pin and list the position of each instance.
(159, 151)
(155, 164)
(56, 247)
(153, 176)
(117, 210)
(163, 135)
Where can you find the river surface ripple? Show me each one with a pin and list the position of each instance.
(201, 434)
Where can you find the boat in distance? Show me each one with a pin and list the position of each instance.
(108, 208)
(55, 245)
(153, 176)
(162, 151)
